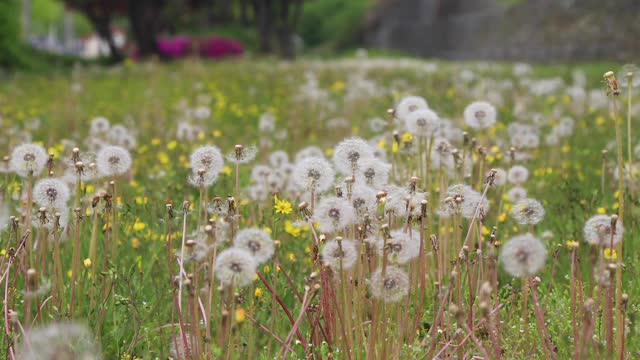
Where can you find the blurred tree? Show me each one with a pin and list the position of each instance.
(12, 52)
(278, 17)
(144, 21)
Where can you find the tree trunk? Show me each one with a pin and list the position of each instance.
(69, 34)
(102, 24)
(264, 17)
(144, 17)
(26, 18)
(244, 12)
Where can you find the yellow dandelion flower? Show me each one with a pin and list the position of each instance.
(258, 292)
(282, 206)
(602, 210)
(572, 244)
(610, 254)
(135, 243)
(240, 315)
(172, 145)
(87, 263)
(139, 225)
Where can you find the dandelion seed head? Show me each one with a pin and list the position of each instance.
(377, 124)
(516, 193)
(423, 122)
(260, 173)
(523, 255)
(527, 212)
(208, 158)
(408, 105)
(598, 231)
(235, 267)
(350, 153)
(113, 160)
(403, 203)
(242, 154)
(278, 159)
(267, 123)
(28, 159)
(313, 174)
(51, 193)
(500, 176)
(518, 174)
(61, 340)
(373, 173)
(334, 214)
(363, 199)
(255, 241)
(309, 151)
(335, 255)
(99, 125)
(480, 115)
(391, 287)
(402, 246)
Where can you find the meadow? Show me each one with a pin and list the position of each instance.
(357, 208)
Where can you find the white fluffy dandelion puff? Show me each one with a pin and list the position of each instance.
(334, 214)
(28, 159)
(340, 253)
(235, 267)
(523, 255)
(402, 246)
(480, 115)
(527, 212)
(63, 340)
(242, 154)
(350, 153)
(516, 193)
(313, 174)
(113, 160)
(363, 199)
(598, 231)
(410, 104)
(391, 287)
(208, 158)
(374, 173)
(257, 242)
(51, 193)
(518, 174)
(423, 123)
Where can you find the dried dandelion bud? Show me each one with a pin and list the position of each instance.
(612, 83)
(434, 242)
(32, 278)
(391, 112)
(456, 312)
(485, 308)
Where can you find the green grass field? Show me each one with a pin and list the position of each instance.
(126, 295)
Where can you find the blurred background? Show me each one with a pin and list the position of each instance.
(37, 33)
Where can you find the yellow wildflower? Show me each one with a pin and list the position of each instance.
(87, 263)
(240, 315)
(282, 206)
(572, 244)
(610, 254)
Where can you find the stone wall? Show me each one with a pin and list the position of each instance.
(538, 30)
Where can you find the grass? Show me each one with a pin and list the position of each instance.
(136, 315)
